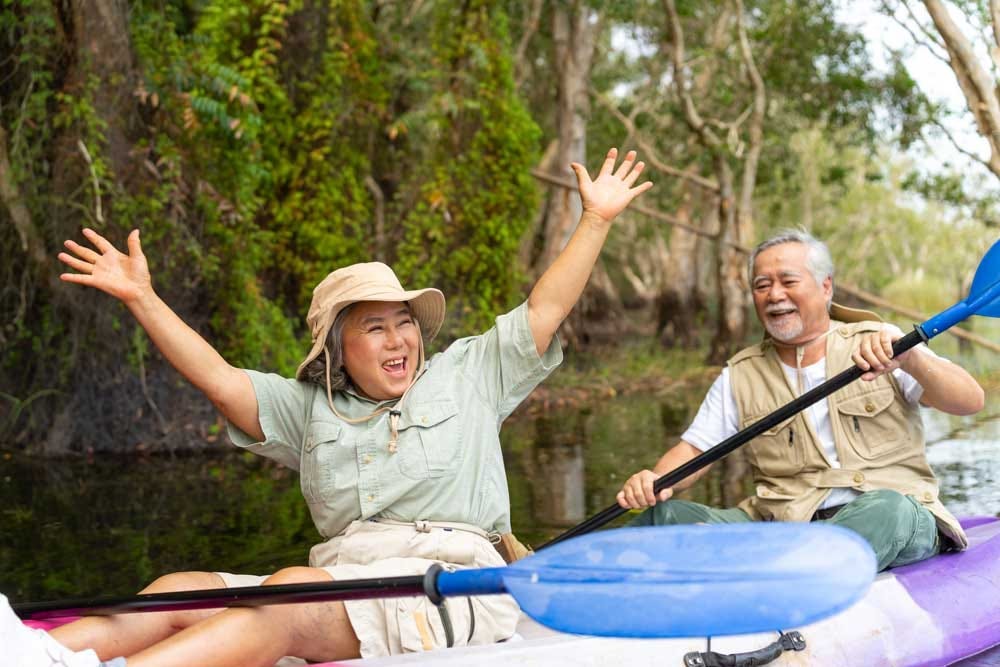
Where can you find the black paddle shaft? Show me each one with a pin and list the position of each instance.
(712, 455)
(244, 596)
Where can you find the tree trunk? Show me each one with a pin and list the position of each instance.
(731, 322)
(575, 27)
(100, 33)
(678, 303)
(575, 34)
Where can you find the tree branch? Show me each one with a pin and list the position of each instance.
(954, 142)
(649, 153)
(756, 129)
(531, 23)
(681, 82)
(10, 196)
(975, 82)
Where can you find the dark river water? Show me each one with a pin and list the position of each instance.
(108, 526)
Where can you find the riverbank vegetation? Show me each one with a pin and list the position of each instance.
(258, 144)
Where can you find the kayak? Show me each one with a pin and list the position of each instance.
(936, 612)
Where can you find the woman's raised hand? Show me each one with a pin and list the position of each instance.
(609, 193)
(125, 277)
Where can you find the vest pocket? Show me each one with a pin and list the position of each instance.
(868, 425)
(430, 441)
(777, 452)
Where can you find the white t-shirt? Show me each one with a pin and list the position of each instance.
(717, 417)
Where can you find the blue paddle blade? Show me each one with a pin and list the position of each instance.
(983, 299)
(987, 274)
(683, 581)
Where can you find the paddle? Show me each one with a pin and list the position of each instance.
(983, 299)
(633, 582)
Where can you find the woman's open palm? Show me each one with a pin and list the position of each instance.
(125, 277)
(609, 193)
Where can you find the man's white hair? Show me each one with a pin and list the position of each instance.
(818, 259)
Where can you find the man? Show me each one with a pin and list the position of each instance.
(856, 459)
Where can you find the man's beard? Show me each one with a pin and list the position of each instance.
(789, 329)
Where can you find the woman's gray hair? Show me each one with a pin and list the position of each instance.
(818, 259)
(315, 371)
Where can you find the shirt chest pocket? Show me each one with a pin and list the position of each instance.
(778, 451)
(430, 437)
(870, 424)
(328, 460)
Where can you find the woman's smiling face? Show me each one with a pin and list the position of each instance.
(381, 343)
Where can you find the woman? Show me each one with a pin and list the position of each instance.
(400, 460)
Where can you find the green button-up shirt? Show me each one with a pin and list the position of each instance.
(448, 465)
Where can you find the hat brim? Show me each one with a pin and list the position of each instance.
(427, 306)
(849, 315)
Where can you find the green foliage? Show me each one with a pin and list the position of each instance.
(263, 143)
(472, 198)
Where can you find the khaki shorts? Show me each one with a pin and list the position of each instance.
(389, 626)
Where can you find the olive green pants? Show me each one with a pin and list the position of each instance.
(898, 528)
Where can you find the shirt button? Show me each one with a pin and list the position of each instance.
(371, 497)
(869, 407)
(423, 420)
(763, 492)
(928, 496)
(368, 458)
(858, 478)
(843, 330)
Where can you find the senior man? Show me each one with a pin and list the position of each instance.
(858, 458)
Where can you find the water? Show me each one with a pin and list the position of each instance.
(111, 525)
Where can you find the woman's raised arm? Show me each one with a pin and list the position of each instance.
(126, 277)
(559, 288)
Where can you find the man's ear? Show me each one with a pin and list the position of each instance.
(828, 287)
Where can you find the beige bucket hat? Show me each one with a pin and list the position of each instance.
(370, 281)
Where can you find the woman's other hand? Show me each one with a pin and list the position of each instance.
(125, 277)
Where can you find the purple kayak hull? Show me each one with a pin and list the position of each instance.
(962, 593)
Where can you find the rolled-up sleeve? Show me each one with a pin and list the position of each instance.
(281, 406)
(503, 363)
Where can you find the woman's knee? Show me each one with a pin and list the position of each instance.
(185, 581)
(297, 575)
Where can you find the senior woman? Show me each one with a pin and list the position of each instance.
(400, 460)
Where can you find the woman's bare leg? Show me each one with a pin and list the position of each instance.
(125, 634)
(249, 637)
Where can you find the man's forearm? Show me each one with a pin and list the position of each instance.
(947, 386)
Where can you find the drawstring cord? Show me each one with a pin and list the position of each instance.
(394, 412)
(800, 352)
(393, 430)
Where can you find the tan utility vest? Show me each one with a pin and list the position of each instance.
(878, 435)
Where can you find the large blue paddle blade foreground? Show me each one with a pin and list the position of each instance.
(683, 581)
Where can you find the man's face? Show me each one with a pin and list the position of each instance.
(789, 302)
